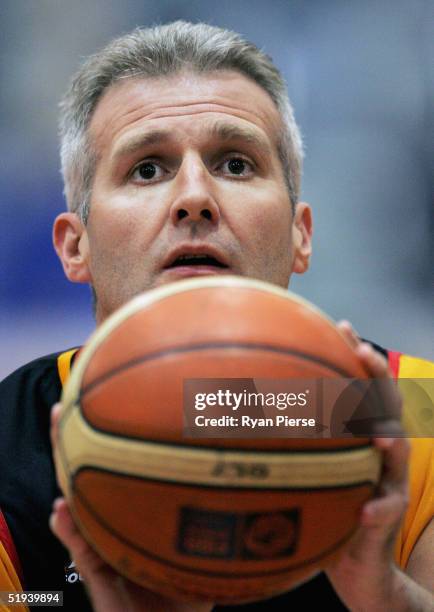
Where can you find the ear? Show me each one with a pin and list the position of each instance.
(302, 238)
(71, 244)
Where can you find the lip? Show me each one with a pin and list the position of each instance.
(190, 271)
(196, 249)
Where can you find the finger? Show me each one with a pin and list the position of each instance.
(384, 389)
(396, 452)
(54, 417)
(349, 333)
(384, 511)
(63, 526)
(376, 362)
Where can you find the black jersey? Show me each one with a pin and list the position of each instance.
(28, 488)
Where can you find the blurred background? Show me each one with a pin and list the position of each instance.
(359, 77)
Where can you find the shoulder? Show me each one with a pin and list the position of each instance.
(30, 383)
(36, 367)
(41, 373)
(26, 398)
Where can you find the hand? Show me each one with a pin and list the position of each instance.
(108, 590)
(365, 576)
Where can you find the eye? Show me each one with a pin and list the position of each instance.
(237, 166)
(147, 171)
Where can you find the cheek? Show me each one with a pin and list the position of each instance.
(271, 238)
(267, 220)
(112, 244)
(121, 223)
(275, 219)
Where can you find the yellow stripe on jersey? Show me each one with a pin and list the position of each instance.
(417, 417)
(412, 367)
(421, 465)
(9, 580)
(64, 364)
(421, 505)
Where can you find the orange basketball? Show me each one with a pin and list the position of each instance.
(228, 519)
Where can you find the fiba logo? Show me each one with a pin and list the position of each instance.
(227, 535)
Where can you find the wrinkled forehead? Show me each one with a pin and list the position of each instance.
(135, 103)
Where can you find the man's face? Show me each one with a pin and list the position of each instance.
(188, 182)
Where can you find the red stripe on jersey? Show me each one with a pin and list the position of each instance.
(394, 357)
(8, 543)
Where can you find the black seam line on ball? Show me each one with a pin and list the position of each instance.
(201, 347)
(228, 575)
(212, 345)
(195, 485)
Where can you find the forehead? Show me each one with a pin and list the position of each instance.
(183, 101)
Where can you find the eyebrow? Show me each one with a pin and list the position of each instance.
(228, 132)
(225, 132)
(140, 141)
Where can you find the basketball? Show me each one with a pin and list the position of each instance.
(226, 518)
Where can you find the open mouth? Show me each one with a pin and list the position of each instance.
(196, 260)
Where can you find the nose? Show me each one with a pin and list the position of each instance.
(194, 200)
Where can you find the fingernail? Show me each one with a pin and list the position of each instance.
(56, 503)
(364, 349)
(51, 522)
(368, 513)
(385, 442)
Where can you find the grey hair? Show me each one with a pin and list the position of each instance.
(162, 51)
